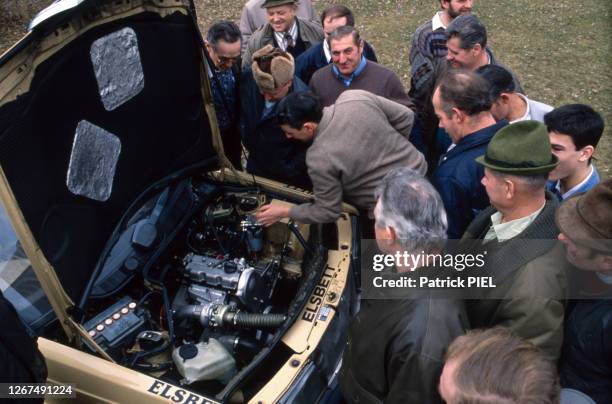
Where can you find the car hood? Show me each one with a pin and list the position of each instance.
(97, 102)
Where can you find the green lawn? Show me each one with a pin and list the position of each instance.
(561, 50)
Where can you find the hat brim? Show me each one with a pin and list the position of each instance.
(573, 226)
(520, 170)
(277, 3)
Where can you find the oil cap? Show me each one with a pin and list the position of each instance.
(188, 351)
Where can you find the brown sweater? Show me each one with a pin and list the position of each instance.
(374, 78)
(359, 139)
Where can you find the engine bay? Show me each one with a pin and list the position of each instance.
(191, 289)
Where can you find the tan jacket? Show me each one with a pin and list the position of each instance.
(310, 32)
(358, 141)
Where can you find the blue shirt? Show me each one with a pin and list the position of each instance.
(589, 182)
(348, 80)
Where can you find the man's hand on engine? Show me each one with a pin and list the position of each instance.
(270, 214)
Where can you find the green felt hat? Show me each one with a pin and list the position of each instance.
(522, 148)
(274, 3)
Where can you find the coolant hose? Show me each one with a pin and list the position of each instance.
(221, 315)
(254, 320)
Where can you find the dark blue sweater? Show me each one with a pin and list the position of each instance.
(458, 176)
(314, 58)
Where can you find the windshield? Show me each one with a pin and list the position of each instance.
(18, 283)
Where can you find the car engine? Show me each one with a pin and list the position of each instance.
(192, 288)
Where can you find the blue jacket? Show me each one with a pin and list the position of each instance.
(314, 58)
(271, 154)
(458, 177)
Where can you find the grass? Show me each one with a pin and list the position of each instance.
(561, 50)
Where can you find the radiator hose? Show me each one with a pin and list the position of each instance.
(254, 320)
(217, 315)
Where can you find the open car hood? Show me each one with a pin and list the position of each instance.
(97, 102)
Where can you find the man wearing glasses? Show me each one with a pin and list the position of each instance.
(222, 43)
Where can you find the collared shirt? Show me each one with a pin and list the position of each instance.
(506, 231)
(436, 21)
(605, 278)
(348, 80)
(589, 182)
(280, 36)
(326, 51)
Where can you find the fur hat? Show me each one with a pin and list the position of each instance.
(279, 64)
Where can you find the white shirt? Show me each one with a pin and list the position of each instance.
(436, 21)
(327, 51)
(280, 36)
(506, 231)
(527, 115)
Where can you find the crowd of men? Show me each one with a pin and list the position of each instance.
(463, 154)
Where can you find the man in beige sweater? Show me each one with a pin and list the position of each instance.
(355, 142)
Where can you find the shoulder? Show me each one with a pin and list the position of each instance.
(299, 85)
(251, 5)
(310, 26)
(423, 31)
(255, 41)
(322, 74)
(379, 69)
(538, 109)
(313, 52)
(482, 220)
(382, 73)
(428, 325)
(356, 95)
(545, 274)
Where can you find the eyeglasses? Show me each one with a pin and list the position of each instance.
(227, 59)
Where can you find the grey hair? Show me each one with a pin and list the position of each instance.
(469, 30)
(534, 182)
(413, 208)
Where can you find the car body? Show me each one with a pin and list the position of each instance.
(128, 242)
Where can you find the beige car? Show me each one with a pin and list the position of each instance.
(127, 241)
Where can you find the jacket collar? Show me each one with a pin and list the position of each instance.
(268, 34)
(476, 139)
(536, 240)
